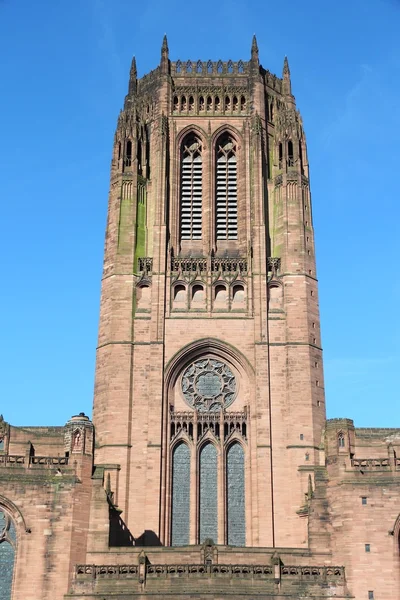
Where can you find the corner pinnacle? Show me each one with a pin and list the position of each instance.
(133, 78)
(286, 70)
(164, 47)
(254, 48)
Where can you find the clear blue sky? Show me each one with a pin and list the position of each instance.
(64, 72)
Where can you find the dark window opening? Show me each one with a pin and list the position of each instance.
(128, 156)
(290, 154)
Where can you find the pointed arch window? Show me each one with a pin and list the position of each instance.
(226, 189)
(8, 541)
(236, 528)
(191, 188)
(180, 495)
(208, 501)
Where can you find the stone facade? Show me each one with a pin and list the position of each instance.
(210, 469)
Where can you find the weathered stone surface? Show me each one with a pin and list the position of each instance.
(314, 503)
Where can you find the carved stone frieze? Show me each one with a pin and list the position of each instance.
(209, 68)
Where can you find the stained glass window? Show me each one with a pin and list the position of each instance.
(226, 190)
(208, 385)
(180, 496)
(8, 540)
(236, 526)
(208, 505)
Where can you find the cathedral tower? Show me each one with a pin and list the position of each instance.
(209, 402)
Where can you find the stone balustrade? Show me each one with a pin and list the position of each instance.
(371, 463)
(321, 574)
(12, 460)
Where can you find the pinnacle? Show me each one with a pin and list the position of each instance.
(164, 47)
(286, 70)
(133, 68)
(254, 45)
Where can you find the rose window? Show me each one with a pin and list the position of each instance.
(208, 385)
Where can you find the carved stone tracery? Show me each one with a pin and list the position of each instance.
(208, 385)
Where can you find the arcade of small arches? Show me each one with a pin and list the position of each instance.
(230, 103)
(225, 296)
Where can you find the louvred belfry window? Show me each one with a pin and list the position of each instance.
(191, 188)
(226, 189)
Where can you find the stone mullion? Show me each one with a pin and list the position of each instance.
(194, 492)
(221, 496)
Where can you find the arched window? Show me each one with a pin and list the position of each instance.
(341, 441)
(280, 156)
(191, 188)
(179, 293)
(236, 524)
(8, 542)
(143, 297)
(197, 293)
(226, 189)
(128, 156)
(290, 154)
(180, 522)
(220, 294)
(208, 502)
(238, 294)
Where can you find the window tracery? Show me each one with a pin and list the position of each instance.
(208, 385)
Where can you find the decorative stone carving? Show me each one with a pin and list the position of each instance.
(145, 264)
(208, 385)
(274, 265)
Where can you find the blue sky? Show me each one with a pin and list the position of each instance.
(64, 71)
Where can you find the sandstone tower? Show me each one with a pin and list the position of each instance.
(209, 384)
(209, 470)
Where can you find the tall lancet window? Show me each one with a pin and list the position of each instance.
(180, 495)
(191, 188)
(236, 525)
(226, 189)
(208, 502)
(8, 540)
